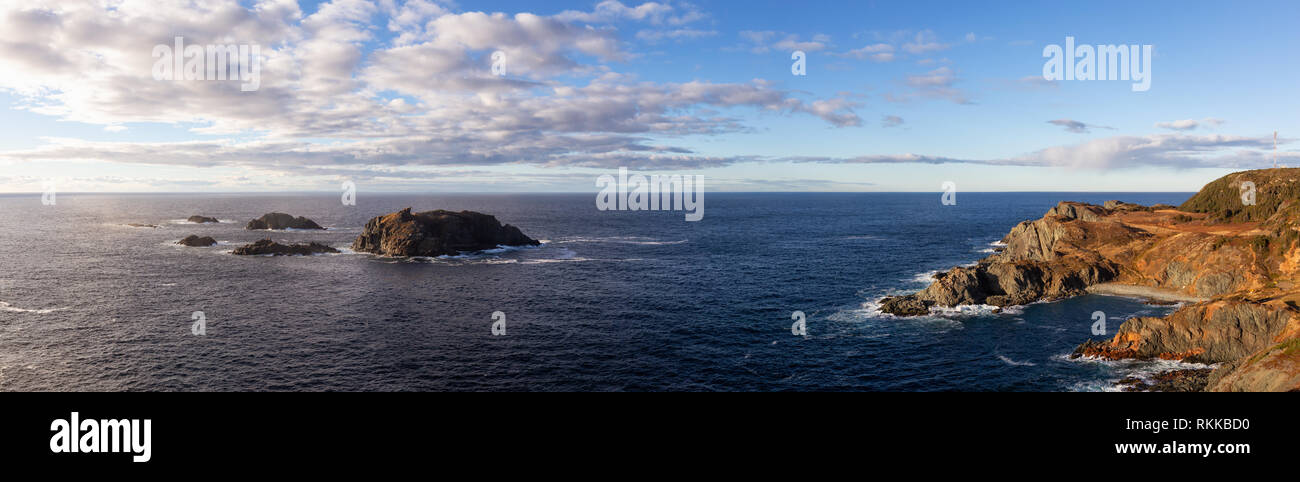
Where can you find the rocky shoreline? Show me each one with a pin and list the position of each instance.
(1235, 266)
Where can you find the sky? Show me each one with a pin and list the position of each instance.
(408, 97)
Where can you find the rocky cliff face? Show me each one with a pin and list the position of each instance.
(1241, 257)
(436, 233)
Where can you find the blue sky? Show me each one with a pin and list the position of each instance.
(399, 96)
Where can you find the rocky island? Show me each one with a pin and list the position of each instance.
(272, 248)
(194, 241)
(436, 233)
(1231, 258)
(282, 221)
(196, 219)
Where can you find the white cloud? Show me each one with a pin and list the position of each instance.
(935, 84)
(1075, 126)
(1190, 124)
(925, 41)
(879, 52)
(333, 96)
(768, 40)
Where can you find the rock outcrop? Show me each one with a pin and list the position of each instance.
(269, 247)
(194, 241)
(1233, 257)
(282, 221)
(202, 219)
(436, 233)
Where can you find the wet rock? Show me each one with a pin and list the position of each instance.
(194, 241)
(269, 247)
(202, 220)
(281, 221)
(908, 305)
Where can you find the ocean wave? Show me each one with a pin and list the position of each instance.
(10, 308)
(1144, 370)
(186, 221)
(963, 311)
(1014, 363)
(638, 240)
(926, 277)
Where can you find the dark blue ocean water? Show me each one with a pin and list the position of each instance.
(611, 301)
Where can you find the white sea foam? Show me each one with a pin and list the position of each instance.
(926, 277)
(1014, 363)
(10, 308)
(638, 240)
(1145, 370)
(961, 311)
(186, 221)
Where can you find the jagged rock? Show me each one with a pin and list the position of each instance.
(1183, 380)
(908, 305)
(194, 241)
(436, 233)
(202, 219)
(269, 247)
(282, 221)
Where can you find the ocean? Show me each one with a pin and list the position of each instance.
(611, 301)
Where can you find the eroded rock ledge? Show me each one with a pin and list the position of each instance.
(436, 233)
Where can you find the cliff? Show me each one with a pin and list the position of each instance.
(1235, 262)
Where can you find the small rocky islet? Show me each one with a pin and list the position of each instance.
(267, 247)
(1233, 265)
(436, 233)
(399, 234)
(281, 221)
(195, 241)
